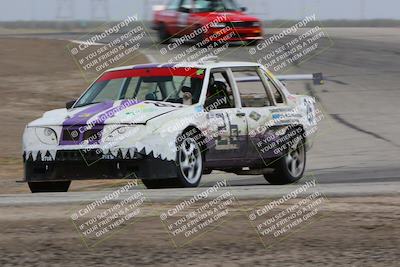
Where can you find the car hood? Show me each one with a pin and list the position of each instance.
(108, 112)
(229, 16)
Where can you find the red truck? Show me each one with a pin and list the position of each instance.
(211, 20)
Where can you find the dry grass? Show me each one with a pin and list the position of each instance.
(36, 76)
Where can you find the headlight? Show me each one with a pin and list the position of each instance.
(218, 25)
(121, 133)
(256, 24)
(46, 135)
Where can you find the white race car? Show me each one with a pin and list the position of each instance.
(168, 124)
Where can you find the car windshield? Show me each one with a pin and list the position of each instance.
(156, 84)
(216, 5)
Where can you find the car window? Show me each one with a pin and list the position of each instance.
(137, 89)
(173, 4)
(216, 5)
(186, 5)
(154, 84)
(201, 5)
(253, 92)
(132, 88)
(105, 90)
(219, 92)
(278, 96)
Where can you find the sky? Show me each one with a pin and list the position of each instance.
(265, 9)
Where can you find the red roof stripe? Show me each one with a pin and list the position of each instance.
(152, 72)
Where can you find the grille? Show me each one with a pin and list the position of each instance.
(70, 135)
(69, 155)
(74, 135)
(243, 35)
(242, 24)
(78, 155)
(92, 135)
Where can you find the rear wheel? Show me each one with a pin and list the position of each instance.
(289, 168)
(48, 187)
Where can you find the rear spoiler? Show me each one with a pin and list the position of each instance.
(317, 78)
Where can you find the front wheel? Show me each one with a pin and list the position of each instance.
(160, 183)
(163, 34)
(189, 167)
(289, 168)
(48, 187)
(252, 43)
(190, 163)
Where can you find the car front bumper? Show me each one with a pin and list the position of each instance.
(74, 165)
(235, 35)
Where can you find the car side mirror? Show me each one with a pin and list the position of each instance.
(69, 104)
(243, 8)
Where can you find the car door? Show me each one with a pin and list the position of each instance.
(259, 108)
(227, 126)
(183, 16)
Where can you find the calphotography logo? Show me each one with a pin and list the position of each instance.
(296, 208)
(104, 217)
(192, 217)
(205, 41)
(200, 133)
(292, 45)
(109, 47)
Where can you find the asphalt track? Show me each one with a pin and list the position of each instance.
(357, 151)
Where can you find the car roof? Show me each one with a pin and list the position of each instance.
(199, 65)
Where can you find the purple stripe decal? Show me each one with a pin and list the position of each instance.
(102, 112)
(83, 116)
(170, 65)
(110, 113)
(101, 118)
(79, 119)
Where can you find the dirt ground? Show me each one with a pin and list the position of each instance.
(32, 82)
(362, 231)
(352, 232)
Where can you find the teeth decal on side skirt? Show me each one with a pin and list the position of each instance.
(53, 154)
(35, 154)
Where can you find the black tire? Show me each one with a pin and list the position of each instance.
(160, 183)
(207, 171)
(183, 180)
(163, 35)
(283, 174)
(252, 43)
(199, 40)
(48, 187)
(190, 138)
